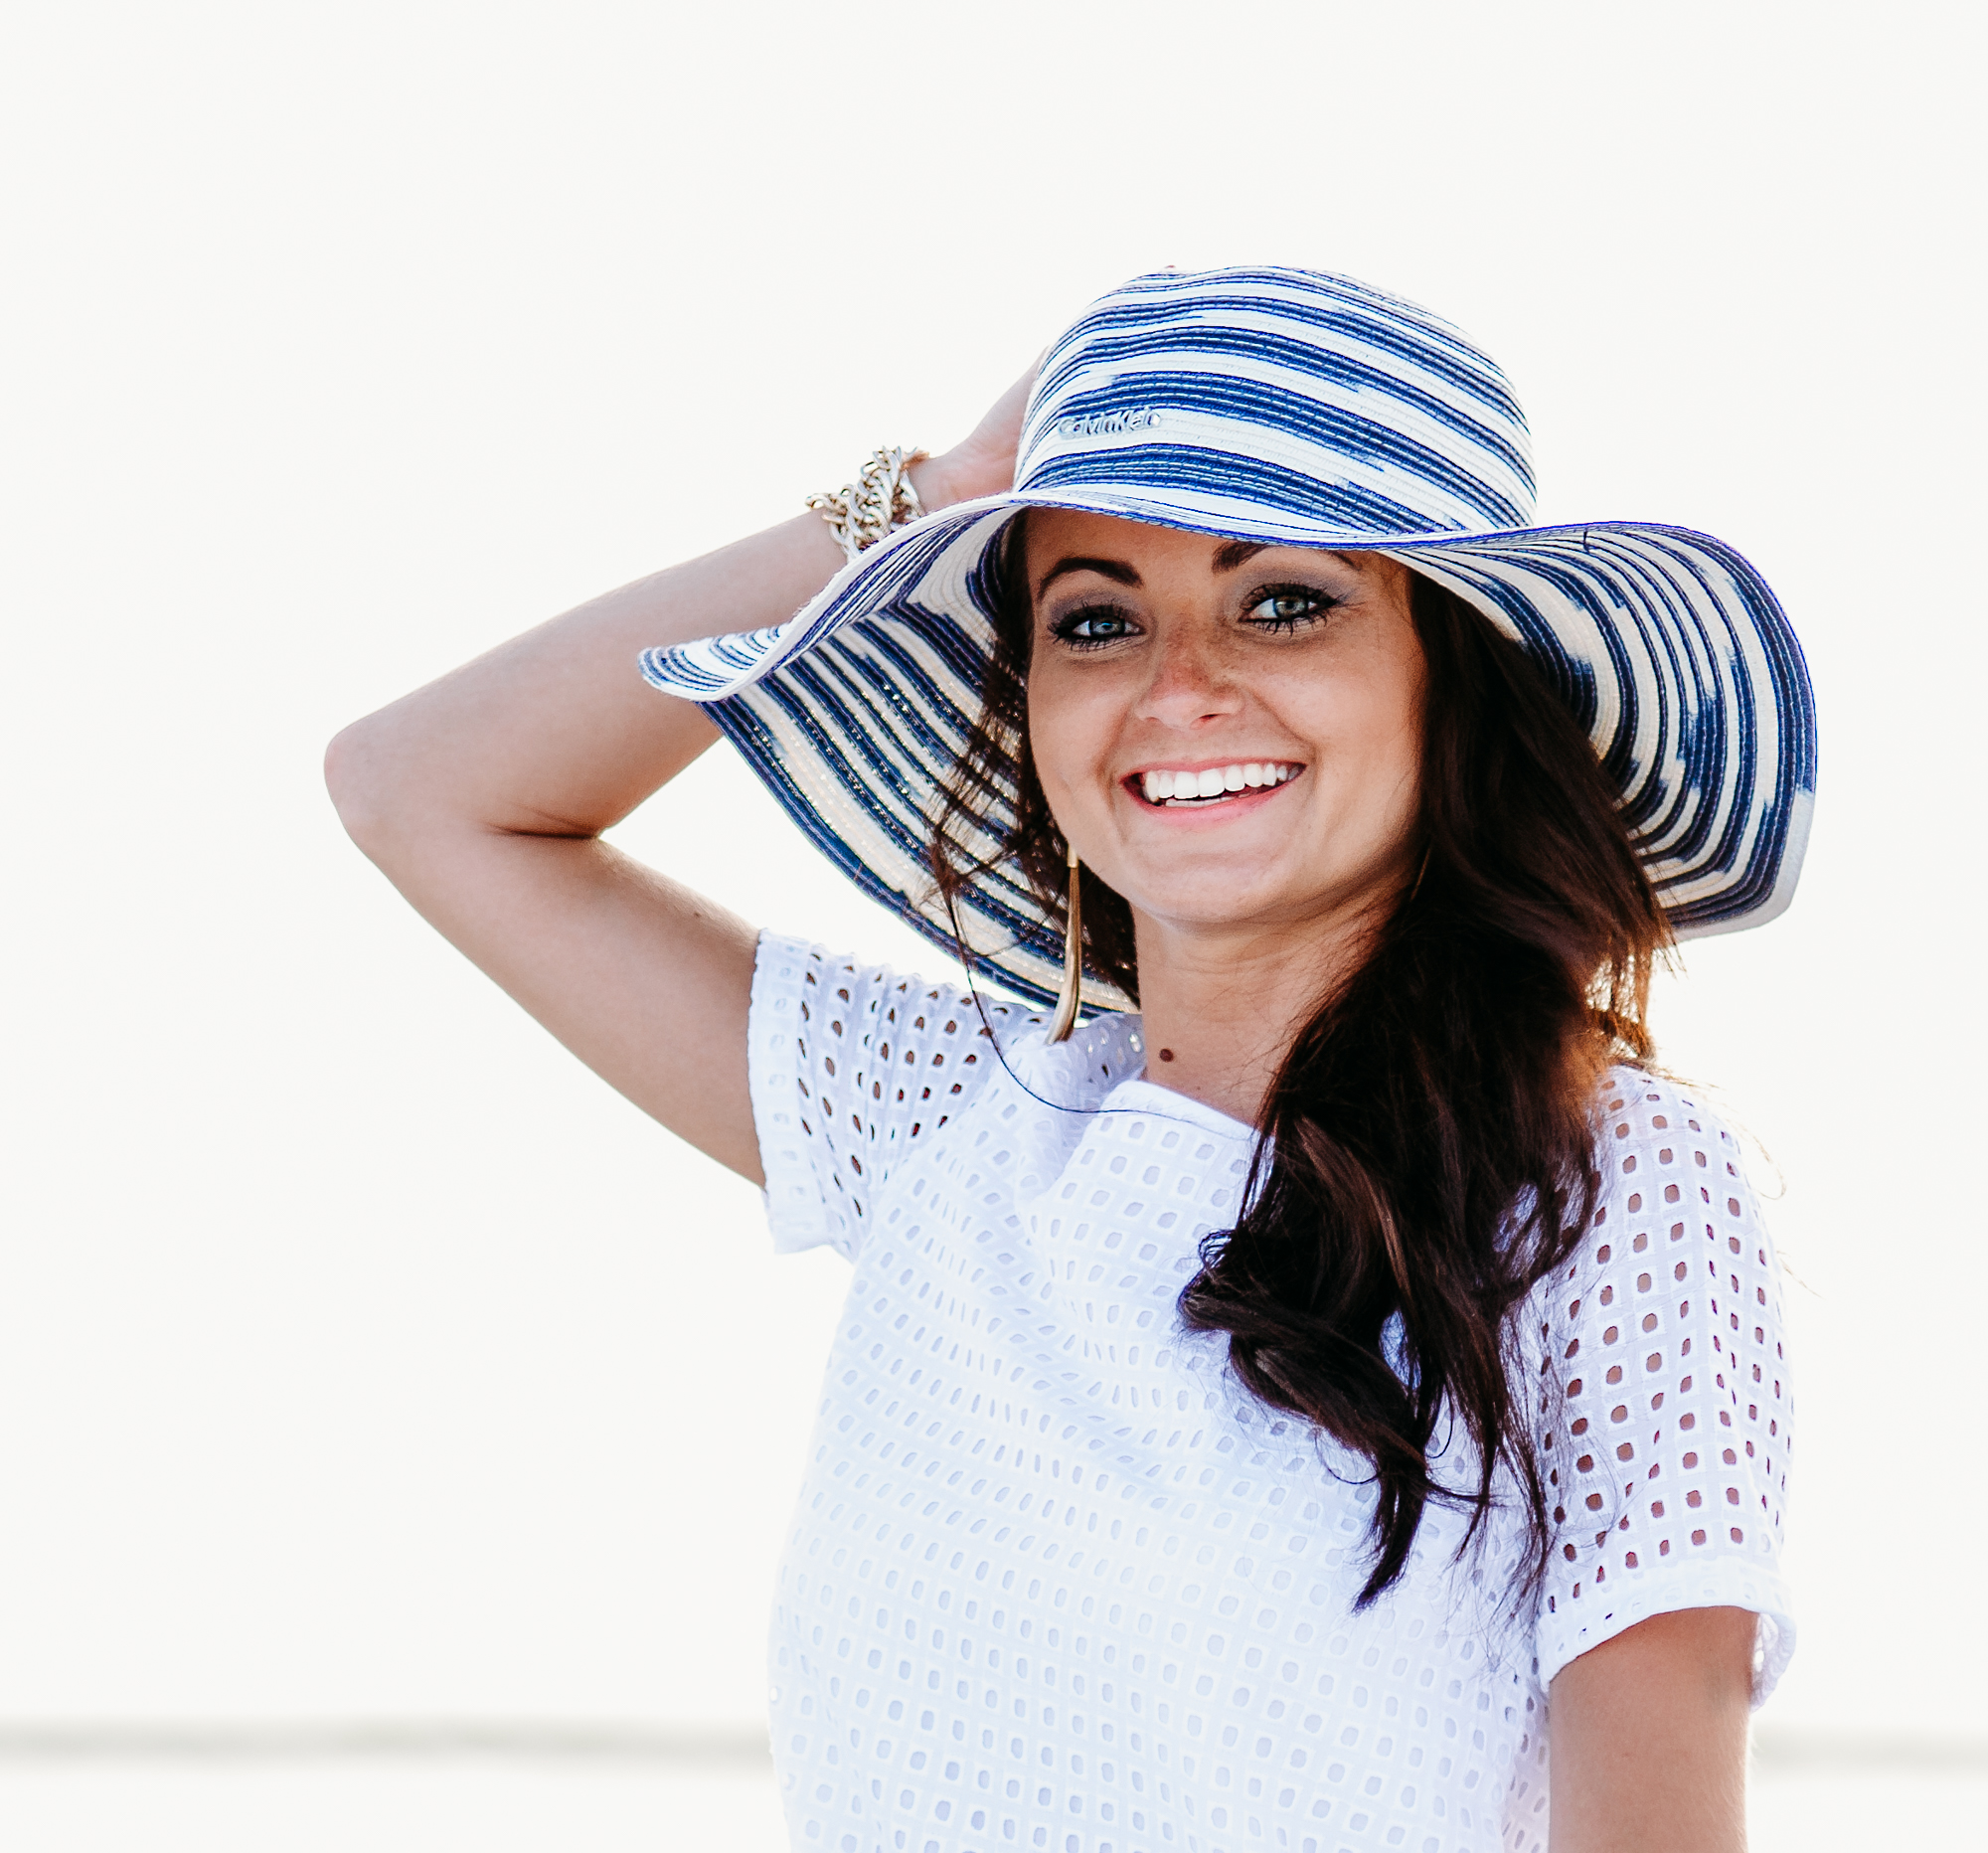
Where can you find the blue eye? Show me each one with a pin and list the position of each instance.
(1093, 625)
(1286, 608)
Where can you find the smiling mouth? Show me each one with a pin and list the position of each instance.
(1213, 785)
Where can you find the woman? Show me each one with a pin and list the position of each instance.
(1249, 1414)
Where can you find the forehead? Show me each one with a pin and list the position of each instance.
(1059, 535)
(1053, 533)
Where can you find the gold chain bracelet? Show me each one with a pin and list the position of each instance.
(881, 497)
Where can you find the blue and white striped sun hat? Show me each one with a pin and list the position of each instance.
(1294, 406)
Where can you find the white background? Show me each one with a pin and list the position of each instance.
(361, 1354)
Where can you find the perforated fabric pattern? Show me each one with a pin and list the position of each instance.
(1669, 1465)
(849, 1064)
(1053, 1582)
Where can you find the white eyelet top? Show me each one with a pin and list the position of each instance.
(1056, 1582)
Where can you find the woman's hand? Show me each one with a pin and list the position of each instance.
(983, 462)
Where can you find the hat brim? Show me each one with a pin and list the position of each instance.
(1668, 647)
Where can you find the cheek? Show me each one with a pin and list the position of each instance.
(1068, 731)
(1372, 728)
(1397, 734)
(1398, 750)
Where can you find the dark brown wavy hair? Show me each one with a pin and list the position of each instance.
(1426, 1151)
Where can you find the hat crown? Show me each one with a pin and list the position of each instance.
(1283, 398)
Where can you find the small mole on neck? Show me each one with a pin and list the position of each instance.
(1166, 1055)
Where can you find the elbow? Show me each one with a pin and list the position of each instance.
(353, 776)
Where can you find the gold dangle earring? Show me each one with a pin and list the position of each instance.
(1070, 998)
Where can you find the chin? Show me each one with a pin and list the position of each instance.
(1212, 898)
(1226, 900)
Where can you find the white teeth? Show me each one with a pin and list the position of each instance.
(1163, 785)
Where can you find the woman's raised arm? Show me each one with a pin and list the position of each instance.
(483, 797)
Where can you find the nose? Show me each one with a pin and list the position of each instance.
(1189, 684)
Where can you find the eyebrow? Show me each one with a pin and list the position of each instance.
(1116, 569)
(1228, 557)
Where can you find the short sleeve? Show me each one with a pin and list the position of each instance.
(850, 1067)
(1665, 1451)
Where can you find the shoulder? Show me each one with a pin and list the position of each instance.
(1672, 1214)
(1671, 1195)
(1659, 1145)
(832, 999)
(851, 1065)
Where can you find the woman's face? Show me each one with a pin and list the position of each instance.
(1230, 735)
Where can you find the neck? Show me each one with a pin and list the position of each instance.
(1221, 1006)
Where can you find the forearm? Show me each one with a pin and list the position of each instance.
(555, 732)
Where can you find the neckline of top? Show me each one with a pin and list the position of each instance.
(1114, 1037)
(1178, 1105)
